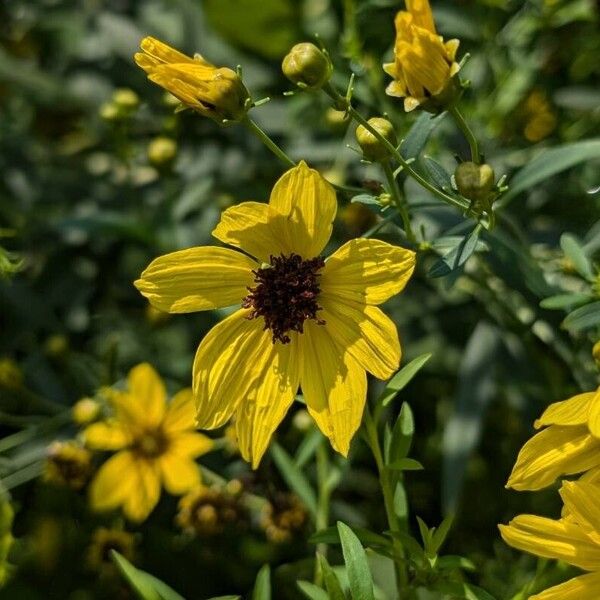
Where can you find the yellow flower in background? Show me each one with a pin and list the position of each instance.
(214, 92)
(156, 446)
(423, 63)
(102, 542)
(574, 539)
(304, 321)
(68, 464)
(569, 444)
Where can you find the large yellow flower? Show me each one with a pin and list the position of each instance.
(570, 443)
(157, 445)
(304, 321)
(423, 63)
(575, 539)
(217, 93)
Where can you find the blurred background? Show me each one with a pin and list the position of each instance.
(98, 176)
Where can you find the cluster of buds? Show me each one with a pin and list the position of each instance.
(122, 105)
(283, 517)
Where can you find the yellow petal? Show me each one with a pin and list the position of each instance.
(191, 445)
(307, 205)
(148, 393)
(548, 538)
(179, 474)
(163, 53)
(195, 279)
(421, 13)
(581, 502)
(365, 270)
(113, 482)
(260, 413)
(334, 386)
(248, 226)
(574, 411)
(594, 415)
(554, 452)
(366, 332)
(107, 435)
(145, 492)
(181, 412)
(230, 359)
(584, 587)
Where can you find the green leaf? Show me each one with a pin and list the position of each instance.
(462, 590)
(366, 199)
(441, 533)
(312, 591)
(308, 447)
(426, 535)
(402, 378)
(262, 586)
(457, 256)
(402, 434)
(331, 535)
(583, 318)
(332, 583)
(357, 567)
(295, 478)
(400, 502)
(418, 134)
(565, 301)
(405, 464)
(576, 254)
(548, 163)
(451, 563)
(439, 175)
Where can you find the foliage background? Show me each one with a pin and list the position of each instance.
(83, 206)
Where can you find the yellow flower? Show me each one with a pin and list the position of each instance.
(68, 464)
(103, 541)
(423, 63)
(157, 445)
(574, 539)
(217, 93)
(304, 321)
(570, 443)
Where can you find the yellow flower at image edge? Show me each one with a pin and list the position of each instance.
(569, 444)
(304, 321)
(217, 93)
(423, 63)
(156, 446)
(574, 539)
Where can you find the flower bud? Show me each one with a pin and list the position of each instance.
(307, 66)
(162, 152)
(373, 148)
(475, 182)
(596, 353)
(85, 411)
(125, 99)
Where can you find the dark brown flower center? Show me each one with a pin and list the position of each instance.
(286, 294)
(151, 444)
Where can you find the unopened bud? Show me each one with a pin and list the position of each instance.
(162, 151)
(307, 66)
(475, 182)
(85, 411)
(373, 148)
(596, 353)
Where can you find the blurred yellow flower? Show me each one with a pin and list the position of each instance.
(103, 541)
(217, 93)
(304, 321)
(423, 63)
(570, 443)
(156, 443)
(540, 118)
(68, 464)
(574, 539)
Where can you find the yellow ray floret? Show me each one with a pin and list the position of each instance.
(155, 446)
(304, 321)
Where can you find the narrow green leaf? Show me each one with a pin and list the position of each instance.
(441, 533)
(295, 478)
(357, 566)
(561, 301)
(426, 535)
(401, 379)
(583, 318)
(402, 434)
(457, 256)
(417, 136)
(405, 464)
(576, 254)
(439, 175)
(262, 586)
(451, 562)
(332, 583)
(331, 536)
(137, 579)
(308, 447)
(367, 199)
(400, 502)
(312, 591)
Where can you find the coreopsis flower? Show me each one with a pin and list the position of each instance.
(282, 517)
(103, 541)
(303, 322)
(156, 445)
(569, 444)
(214, 92)
(68, 464)
(574, 539)
(423, 63)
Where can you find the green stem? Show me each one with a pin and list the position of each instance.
(398, 201)
(323, 496)
(268, 142)
(388, 500)
(464, 127)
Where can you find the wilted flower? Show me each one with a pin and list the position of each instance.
(423, 63)
(68, 464)
(217, 93)
(281, 518)
(157, 445)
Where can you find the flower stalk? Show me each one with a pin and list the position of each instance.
(399, 203)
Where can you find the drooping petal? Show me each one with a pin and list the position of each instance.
(190, 444)
(334, 386)
(306, 205)
(106, 435)
(113, 482)
(179, 474)
(248, 226)
(228, 362)
(366, 270)
(584, 587)
(260, 413)
(145, 492)
(201, 278)
(554, 452)
(581, 501)
(181, 412)
(574, 411)
(147, 391)
(548, 538)
(594, 415)
(368, 334)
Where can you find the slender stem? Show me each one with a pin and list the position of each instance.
(398, 201)
(268, 142)
(388, 500)
(323, 496)
(464, 127)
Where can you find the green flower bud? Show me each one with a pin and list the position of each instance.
(373, 149)
(162, 151)
(125, 99)
(475, 182)
(307, 66)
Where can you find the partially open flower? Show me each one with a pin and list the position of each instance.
(307, 66)
(214, 92)
(423, 63)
